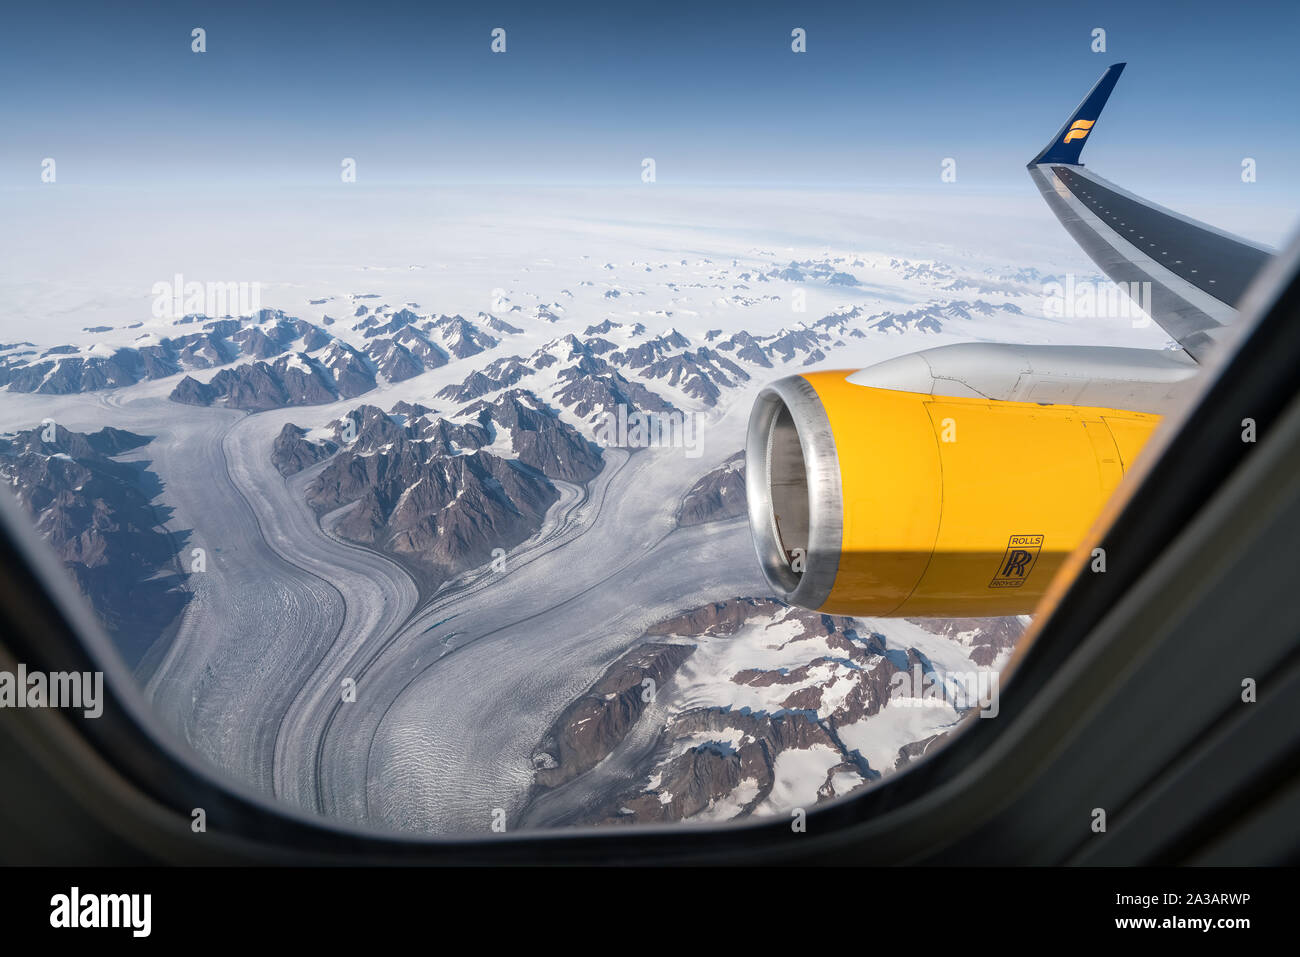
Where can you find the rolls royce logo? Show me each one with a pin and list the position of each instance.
(1078, 130)
(1018, 561)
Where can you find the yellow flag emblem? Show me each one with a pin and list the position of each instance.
(1078, 130)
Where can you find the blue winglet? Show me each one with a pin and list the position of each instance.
(1068, 143)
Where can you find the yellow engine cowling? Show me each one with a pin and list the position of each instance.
(873, 502)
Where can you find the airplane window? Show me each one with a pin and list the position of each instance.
(458, 491)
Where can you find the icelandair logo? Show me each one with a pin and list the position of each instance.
(1078, 130)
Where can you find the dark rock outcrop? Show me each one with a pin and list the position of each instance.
(721, 761)
(97, 515)
(429, 490)
(719, 494)
(268, 334)
(292, 452)
(986, 637)
(291, 380)
(718, 618)
(591, 727)
(539, 438)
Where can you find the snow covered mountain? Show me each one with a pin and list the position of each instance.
(438, 439)
(755, 708)
(442, 493)
(96, 512)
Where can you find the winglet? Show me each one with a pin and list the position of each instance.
(1066, 146)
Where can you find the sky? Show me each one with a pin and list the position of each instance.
(712, 92)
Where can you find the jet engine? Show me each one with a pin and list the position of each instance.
(879, 502)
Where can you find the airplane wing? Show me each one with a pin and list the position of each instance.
(1197, 274)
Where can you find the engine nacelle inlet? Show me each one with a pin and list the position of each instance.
(876, 502)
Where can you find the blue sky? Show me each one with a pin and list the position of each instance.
(715, 95)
